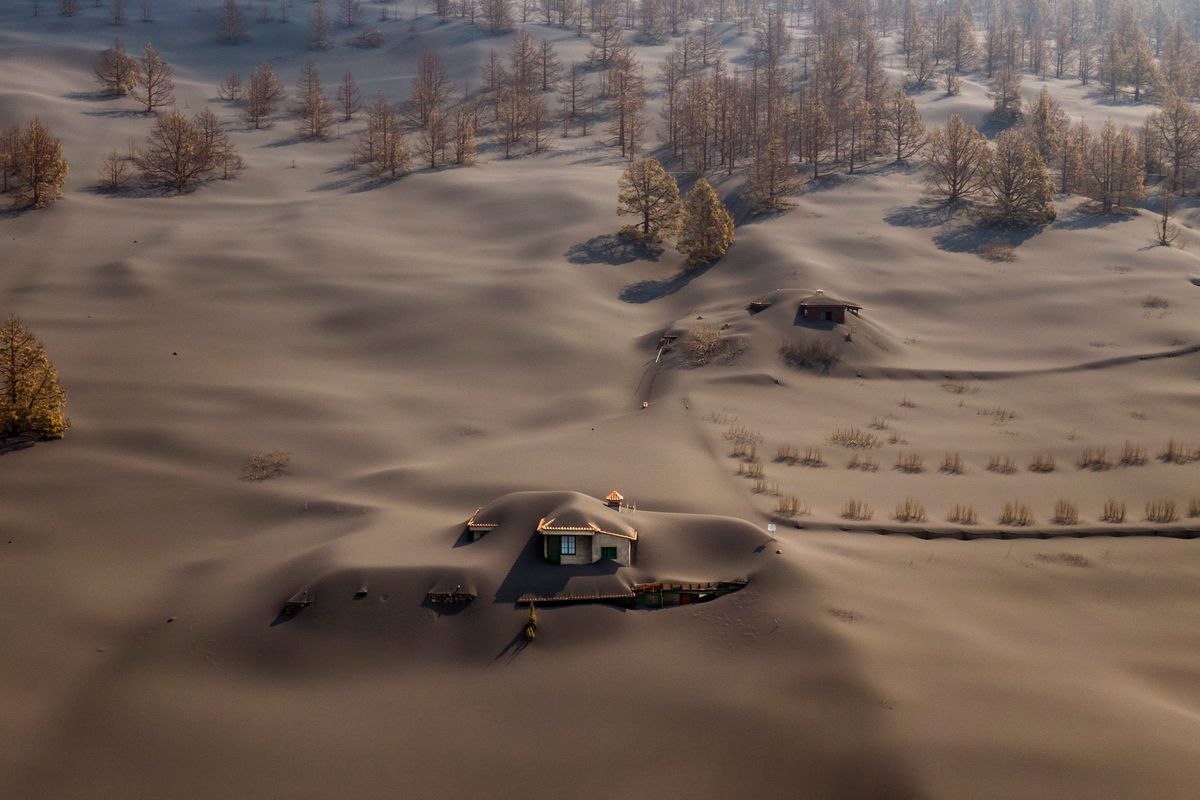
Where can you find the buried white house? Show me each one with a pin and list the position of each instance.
(578, 534)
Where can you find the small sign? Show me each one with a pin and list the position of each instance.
(770, 527)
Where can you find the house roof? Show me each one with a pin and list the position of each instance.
(614, 496)
(821, 300)
(584, 516)
(475, 522)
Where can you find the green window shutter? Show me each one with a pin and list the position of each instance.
(608, 552)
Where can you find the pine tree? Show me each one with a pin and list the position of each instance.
(1017, 182)
(116, 70)
(1006, 93)
(348, 97)
(31, 400)
(263, 96)
(771, 177)
(315, 116)
(1113, 168)
(318, 27)
(156, 87)
(1047, 124)
(957, 158)
(231, 24)
(647, 191)
(707, 227)
(41, 168)
(1176, 129)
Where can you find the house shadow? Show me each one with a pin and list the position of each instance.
(612, 248)
(530, 573)
(648, 291)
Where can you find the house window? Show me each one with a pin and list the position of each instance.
(608, 552)
(828, 316)
(568, 545)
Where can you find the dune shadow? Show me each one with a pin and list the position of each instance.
(464, 538)
(286, 141)
(993, 126)
(612, 248)
(648, 291)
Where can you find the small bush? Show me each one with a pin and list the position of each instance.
(999, 415)
(1095, 459)
(963, 515)
(1002, 466)
(1161, 511)
(812, 458)
(853, 437)
(787, 454)
(262, 466)
(1133, 455)
(856, 510)
(818, 355)
(1070, 559)
(1065, 513)
(879, 423)
(1114, 512)
(910, 463)
(906, 402)
(704, 343)
(1155, 302)
(910, 511)
(952, 464)
(958, 387)
(1042, 463)
(1017, 515)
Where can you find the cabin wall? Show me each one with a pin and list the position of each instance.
(838, 315)
(624, 548)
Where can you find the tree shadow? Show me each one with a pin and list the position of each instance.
(612, 248)
(1088, 216)
(929, 213)
(650, 290)
(97, 96)
(16, 444)
(117, 113)
(973, 236)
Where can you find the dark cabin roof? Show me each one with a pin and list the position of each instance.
(826, 301)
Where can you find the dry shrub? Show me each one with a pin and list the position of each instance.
(952, 464)
(963, 515)
(910, 511)
(1002, 466)
(1161, 511)
(816, 354)
(789, 506)
(262, 466)
(1175, 453)
(704, 343)
(1095, 459)
(863, 463)
(853, 437)
(1017, 515)
(879, 423)
(1194, 507)
(720, 418)
(907, 402)
(999, 415)
(1113, 512)
(895, 438)
(958, 387)
(813, 458)
(910, 463)
(997, 251)
(744, 441)
(787, 454)
(1133, 455)
(1155, 302)
(1042, 463)
(1069, 559)
(856, 510)
(762, 487)
(1065, 513)
(754, 471)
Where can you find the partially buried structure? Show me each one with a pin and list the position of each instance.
(820, 307)
(585, 533)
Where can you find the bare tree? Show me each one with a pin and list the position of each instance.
(1165, 231)
(1176, 129)
(114, 174)
(181, 152)
(381, 145)
(156, 86)
(41, 168)
(1017, 183)
(318, 27)
(10, 157)
(648, 192)
(231, 88)
(116, 70)
(431, 89)
(957, 158)
(903, 125)
(351, 11)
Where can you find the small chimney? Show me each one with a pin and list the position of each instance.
(614, 500)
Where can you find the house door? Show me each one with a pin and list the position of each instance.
(554, 549)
